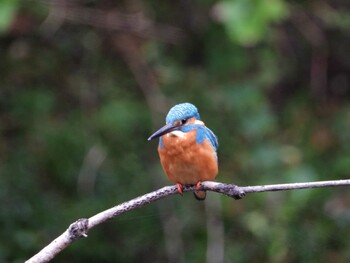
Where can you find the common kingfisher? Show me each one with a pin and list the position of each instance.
(187, 148)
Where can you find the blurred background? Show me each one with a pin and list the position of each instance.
(84, 83)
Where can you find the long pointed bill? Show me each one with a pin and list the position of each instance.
(164, 130)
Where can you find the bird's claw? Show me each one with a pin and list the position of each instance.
(179, 188)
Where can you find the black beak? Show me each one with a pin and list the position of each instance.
(164, 130)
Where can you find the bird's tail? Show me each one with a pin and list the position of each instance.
(200, 195)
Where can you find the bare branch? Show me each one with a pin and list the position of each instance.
(80, 228)
(295, 186)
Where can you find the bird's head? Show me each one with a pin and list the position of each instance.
(178, 116)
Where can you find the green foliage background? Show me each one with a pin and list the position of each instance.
(78, 101)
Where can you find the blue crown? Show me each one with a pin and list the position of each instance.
(182, 111)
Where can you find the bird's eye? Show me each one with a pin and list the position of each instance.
(183, 121)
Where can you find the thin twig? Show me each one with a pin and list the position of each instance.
(295, 186)
(80, 228)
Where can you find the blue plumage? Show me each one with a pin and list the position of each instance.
(202, 134)
(188, 150)
(182, 111)
(186, 111)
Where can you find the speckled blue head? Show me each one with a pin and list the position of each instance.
(175, 119)
(182, 111)
(185, 111)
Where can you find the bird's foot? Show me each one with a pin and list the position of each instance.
(199, 194)
(179, 188)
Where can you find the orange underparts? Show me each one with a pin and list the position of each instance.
(185, 161)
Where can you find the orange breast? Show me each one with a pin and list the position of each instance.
(186, 162)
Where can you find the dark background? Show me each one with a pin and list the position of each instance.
(84, 83)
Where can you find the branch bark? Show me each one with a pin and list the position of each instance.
(81, 227)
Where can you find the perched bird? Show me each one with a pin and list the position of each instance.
(187, 148)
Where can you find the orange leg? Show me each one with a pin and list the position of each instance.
(198, 185)
(179, 188)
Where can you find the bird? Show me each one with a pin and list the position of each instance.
(187, 149)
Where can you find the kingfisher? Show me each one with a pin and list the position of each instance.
(187, 148)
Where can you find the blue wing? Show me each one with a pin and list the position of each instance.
(212, 138)
(203, 133)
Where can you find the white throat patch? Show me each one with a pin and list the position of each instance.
(177, 134)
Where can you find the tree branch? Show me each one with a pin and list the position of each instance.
(80, 228)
